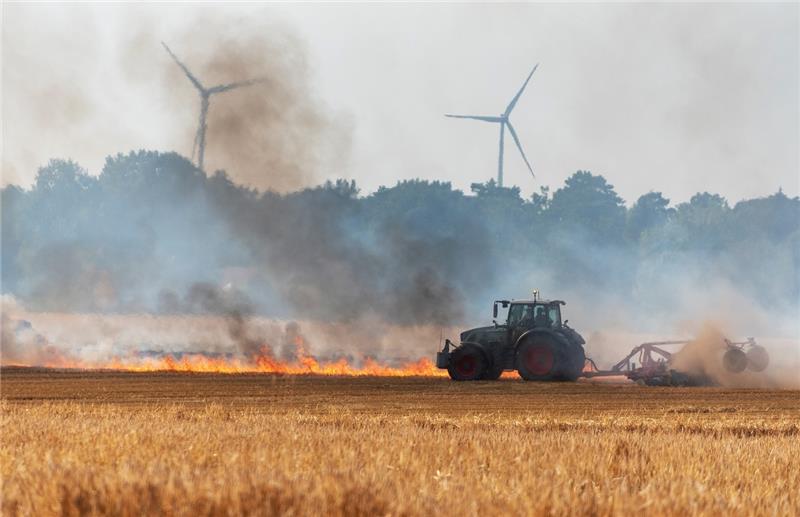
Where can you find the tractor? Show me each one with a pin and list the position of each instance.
(533, 340)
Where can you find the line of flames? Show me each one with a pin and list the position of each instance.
(262, 362)
(303, 365)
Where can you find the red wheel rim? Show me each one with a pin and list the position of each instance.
(539, 359)
(466, 365)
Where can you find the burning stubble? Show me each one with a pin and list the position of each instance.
(209, 329)
(229, 340)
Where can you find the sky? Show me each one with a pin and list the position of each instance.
(678, 98)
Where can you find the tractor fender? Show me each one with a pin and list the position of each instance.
(486, 354)
(541, 332)
(558, 338)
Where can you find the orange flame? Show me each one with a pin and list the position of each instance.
(264, 362)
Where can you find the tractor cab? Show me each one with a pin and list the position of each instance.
(524, 315)
(527, 314)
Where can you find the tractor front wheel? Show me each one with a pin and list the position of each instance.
(467, 363)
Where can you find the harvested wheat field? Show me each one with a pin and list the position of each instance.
(207, 444)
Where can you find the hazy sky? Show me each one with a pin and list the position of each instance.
(672, 97)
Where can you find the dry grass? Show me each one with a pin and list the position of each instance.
(184, 444)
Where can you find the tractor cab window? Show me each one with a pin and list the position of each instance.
(515, 314)
(534, 315)
(542, 317)
(521, 315)
(553, 315)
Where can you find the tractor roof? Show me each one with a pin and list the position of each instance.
(543, 302)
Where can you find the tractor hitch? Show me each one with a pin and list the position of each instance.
(443, 357)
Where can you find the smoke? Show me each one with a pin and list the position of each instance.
(377, 276)
(141, 251)
(234, 306)
(110, 82)
(59, 339)
(272, 134)
(333, 257)
(20, 344)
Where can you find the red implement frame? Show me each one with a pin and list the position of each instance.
(654, 363)
(651, 357)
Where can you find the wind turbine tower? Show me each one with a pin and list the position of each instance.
(504, 122)
(199, 146)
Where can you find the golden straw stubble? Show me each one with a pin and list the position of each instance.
(77, 443)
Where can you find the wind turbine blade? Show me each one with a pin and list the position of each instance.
(225, 87)
(519, 146)
(519, 93)
(477, 117)
(192, 78)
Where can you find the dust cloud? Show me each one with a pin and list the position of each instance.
(704, 356)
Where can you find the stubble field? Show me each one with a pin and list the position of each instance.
(206, 444)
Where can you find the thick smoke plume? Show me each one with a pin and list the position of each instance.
(85, 91)
(20, 344)
(229, 335)
(272, 134)
(154, 235)
(153, 241)
(234, 306)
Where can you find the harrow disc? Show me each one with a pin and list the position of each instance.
(734, 360)
(757, 358)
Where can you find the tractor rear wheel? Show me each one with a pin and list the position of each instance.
(538, 359)
(576, 361)
(467, 363)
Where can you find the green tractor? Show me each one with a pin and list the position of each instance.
(533, 340)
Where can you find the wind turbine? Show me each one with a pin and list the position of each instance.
(205, 95)
(504, 122)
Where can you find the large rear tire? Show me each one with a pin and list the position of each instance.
(576, 360)
(467, 363)
(538, 359)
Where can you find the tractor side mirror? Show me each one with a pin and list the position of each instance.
(565, 322)
(494, 310)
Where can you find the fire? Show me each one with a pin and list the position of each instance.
(263, 362)
(306, 365)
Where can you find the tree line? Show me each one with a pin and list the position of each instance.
(150, 225)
